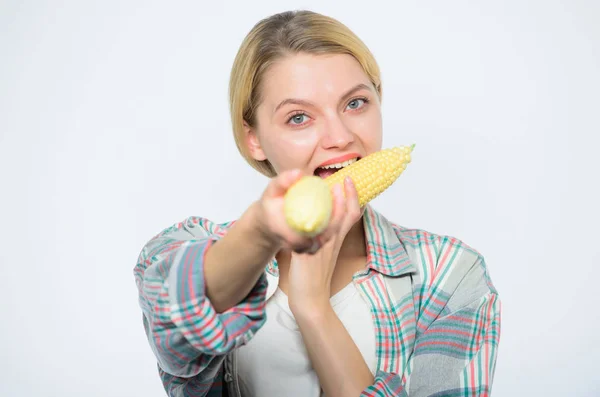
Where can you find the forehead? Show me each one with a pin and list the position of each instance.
(312, 77)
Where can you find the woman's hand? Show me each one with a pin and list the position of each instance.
(339, 364)
(271, 219)
(310, 274)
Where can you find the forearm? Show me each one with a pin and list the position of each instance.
(341, 369)
(234, 264)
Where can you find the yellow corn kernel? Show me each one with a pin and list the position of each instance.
(309, 202)
(373, 174)
(308, 205)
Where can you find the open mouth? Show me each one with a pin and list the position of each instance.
(328, 170)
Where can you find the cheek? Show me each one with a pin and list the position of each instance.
(369, 129)
(304, 139)
(293, 149)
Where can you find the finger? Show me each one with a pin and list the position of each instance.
(282, 182)
(337, 215)
(339, 202)
(352, 204)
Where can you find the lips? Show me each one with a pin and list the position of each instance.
(333, 165)
(340, 159)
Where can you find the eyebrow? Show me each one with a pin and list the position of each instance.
(303, 102)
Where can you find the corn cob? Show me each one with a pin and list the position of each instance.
(309, 202)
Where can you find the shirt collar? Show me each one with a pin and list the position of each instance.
(385, 251)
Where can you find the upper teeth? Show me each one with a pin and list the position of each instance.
(340, 165)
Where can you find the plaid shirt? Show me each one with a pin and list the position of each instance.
(435, 310)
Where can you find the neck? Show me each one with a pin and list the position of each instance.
(354, 244)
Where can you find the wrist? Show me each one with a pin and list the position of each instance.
(312, 312)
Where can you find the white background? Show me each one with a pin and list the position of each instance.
(114, 124)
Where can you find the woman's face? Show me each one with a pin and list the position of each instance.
(315, 110)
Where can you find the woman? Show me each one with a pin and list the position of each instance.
(249, 308)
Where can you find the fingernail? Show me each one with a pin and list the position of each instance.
(314, 247)
(302, 250)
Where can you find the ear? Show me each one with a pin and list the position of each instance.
(253, 143)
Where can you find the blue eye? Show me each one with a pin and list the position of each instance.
(356, 103)
(297, 119)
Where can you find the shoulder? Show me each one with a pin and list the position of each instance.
(443, 259)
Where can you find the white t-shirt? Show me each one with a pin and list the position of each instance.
(275, 362)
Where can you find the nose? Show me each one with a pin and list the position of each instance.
(336, 134)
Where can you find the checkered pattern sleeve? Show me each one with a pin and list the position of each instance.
(187, 336)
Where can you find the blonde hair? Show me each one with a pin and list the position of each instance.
(275, 37)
